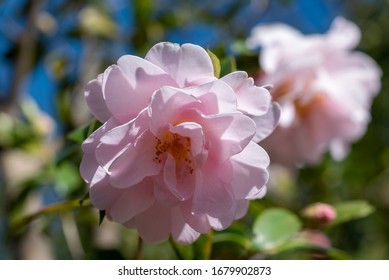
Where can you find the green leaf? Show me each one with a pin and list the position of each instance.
(274, 227)
(67, 178)
(79, 135)
(228, 65)
(239, 47)
(351, 210)
(215, 63)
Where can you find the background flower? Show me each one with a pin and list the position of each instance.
(325, 89)
(174, 155)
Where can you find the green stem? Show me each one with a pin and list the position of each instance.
(51, 209)
(176, 249)
(139, 249)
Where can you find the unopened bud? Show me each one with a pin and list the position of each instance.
(319, 213)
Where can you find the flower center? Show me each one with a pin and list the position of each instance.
(178, 146)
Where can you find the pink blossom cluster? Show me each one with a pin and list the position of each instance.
(325, 89)
(176, 154)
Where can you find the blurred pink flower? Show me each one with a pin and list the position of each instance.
(324, 88)
(175, 153)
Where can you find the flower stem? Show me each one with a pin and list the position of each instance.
(139, 249)
(18, 225)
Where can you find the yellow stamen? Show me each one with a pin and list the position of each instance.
(178, 146)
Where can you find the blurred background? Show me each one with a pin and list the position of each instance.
(49, 50)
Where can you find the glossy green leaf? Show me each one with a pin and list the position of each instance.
(274, 227)
(215, 63)
(351, 210)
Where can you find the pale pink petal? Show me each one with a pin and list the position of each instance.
(101, 193)
(217, 97)
(163, 193)
(212, 196)
(114, 142)
(154, 224)
(135, 163)
(343, 34)
(199, 223)
(252, 100)
(242, 206)
(180, 184)
(249, 171)
(225, 220)
(95, 99)
(132, 201)
(128, 86)
(272, 34)
(267, 123)
(227, 134)
(187, 64)
(166, 107)
(90, 144)
(88, 167)
(181, 231)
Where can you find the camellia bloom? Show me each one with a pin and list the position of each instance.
(175, 154)
(324, 88)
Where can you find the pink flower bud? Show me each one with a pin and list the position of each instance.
(319, 213)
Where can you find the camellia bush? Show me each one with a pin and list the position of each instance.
(260, 147)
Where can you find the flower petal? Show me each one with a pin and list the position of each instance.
(166, 107)
(88, 167)
(154, 224)
(217, 97)
(128, 86)
(135, 163)
(212, 195)
(181, 185)
(132, 201)
(267, 123)
(95, 99)
(101, 193)
(90, 144)
(181, 231)
(249, 171)
(252, 100)
(343, 34)
(227, 134)
(199, 223)
(114, 142)
(188, 64)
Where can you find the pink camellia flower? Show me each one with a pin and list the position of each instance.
(324, 88)
(175, 153)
